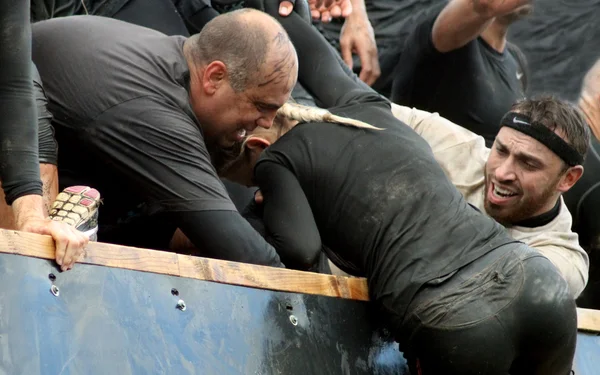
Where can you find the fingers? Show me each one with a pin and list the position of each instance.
(258, 197)
(346, 8)
(335, 11)
(73, 251)
(60, 243)
(285, 8)
(326, 10)
(321, 3)
(370, 69)
(69, 244)
(346, 51)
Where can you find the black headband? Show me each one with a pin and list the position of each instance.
(544, 135)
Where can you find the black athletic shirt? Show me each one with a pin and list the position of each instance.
(377, 199)
(473, 86)
(19, 164)
(195, 13)
(120, 100)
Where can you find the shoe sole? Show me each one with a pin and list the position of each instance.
(78, 207)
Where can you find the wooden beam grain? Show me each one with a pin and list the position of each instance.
(220, 271)
(588, 320)
(214, 270)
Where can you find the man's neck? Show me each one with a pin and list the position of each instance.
(495, 35)
(592, 113)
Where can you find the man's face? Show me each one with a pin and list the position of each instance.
(235, 113)
(521, 177)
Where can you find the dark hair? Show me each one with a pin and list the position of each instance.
(561, 117)
(240, 44)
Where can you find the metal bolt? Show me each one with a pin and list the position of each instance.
(181, 305)
(294, 320)
(174, 292)
(54, 290)
(51, 277)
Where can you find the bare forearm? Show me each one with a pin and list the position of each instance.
(461, 21)
(27, 207)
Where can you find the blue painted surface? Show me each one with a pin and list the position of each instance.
(113, 321)
(587, 356)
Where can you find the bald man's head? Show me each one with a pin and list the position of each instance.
(591, 82)
(247, 41)
(243, 68)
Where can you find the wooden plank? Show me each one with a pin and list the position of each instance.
(220, 271)
(588, 320)
(272, 278)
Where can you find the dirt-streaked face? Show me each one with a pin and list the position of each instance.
(521, 177)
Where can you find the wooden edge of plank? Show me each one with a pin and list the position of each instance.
(166, 263)
(588, 320)
(214, 270)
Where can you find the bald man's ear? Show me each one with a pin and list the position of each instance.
(213, 77)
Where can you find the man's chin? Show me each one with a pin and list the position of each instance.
(500, 214)
(223, 153)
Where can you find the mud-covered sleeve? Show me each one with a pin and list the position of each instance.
(288, 218)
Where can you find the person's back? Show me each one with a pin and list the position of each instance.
(109, 65)
(383, 213)
(111, 61)
(459, 295)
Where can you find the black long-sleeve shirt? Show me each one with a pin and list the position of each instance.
(19, 165)
(377, 200)
(120, 100)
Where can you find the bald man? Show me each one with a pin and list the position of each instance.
(141, 116)
(583, 200)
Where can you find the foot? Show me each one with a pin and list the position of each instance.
(78, 207)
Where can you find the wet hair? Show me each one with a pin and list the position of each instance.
(242, 45)
(561, 117)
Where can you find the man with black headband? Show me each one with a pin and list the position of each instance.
(537, 156)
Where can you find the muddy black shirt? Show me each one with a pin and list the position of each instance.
(473, 86)
(124, 123)
(377, 199)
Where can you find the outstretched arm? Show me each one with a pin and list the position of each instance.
(462, 21)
